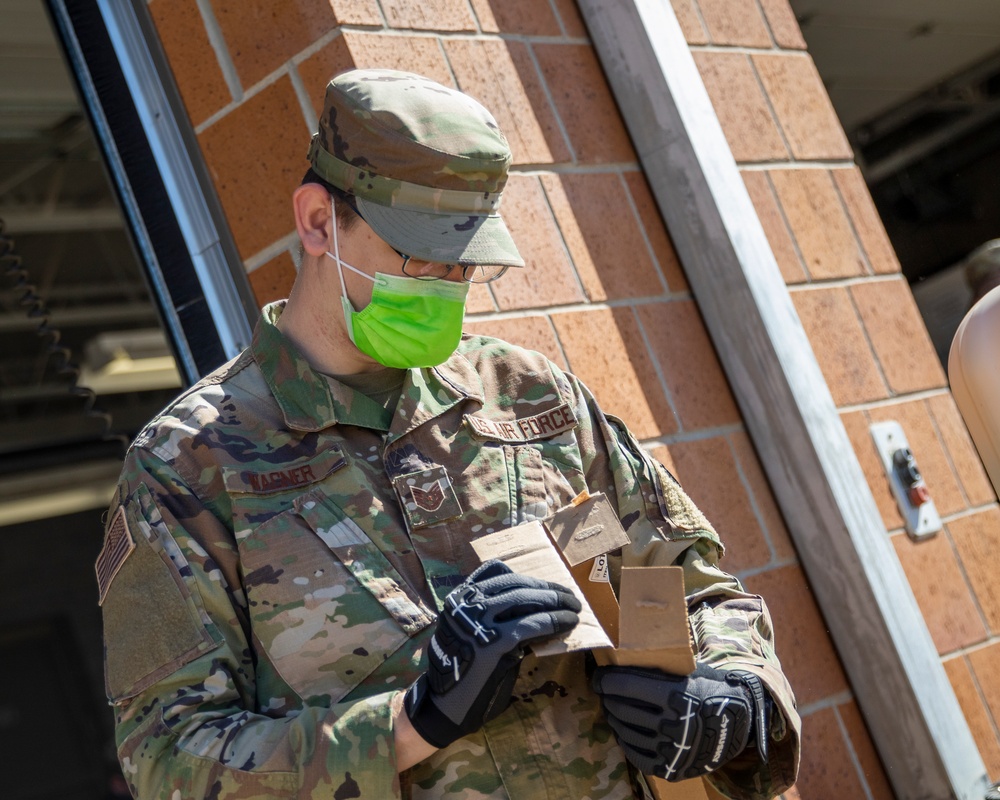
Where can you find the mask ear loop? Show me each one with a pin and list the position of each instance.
(335, 255)
(345, 301)
(336, 246)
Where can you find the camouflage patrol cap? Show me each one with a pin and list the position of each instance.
(425, 163)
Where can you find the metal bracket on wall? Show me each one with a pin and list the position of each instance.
(920, 515)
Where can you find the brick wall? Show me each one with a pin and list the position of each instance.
(869, 339)
(603, 293)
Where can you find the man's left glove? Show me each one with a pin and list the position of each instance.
(680, 727)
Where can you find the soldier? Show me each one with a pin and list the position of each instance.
(291, 604)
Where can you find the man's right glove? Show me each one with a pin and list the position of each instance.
(679, 727)
(477, 647)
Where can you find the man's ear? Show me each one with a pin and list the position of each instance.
(313, 218)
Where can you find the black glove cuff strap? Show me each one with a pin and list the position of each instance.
(427, 720)
(761, 710)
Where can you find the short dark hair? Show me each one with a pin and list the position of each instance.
(347, 212)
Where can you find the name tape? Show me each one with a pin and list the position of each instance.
(524, 429)
(283, 476)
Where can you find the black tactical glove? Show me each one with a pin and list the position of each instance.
(476, 650)
(679, 727)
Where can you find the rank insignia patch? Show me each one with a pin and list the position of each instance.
(118, 545)
(429, 498)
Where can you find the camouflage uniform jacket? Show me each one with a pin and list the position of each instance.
(280, 546)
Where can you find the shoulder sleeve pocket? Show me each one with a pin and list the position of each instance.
(674, 504)
(152, 623)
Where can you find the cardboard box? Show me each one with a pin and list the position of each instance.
(653, 630)
(527, 549)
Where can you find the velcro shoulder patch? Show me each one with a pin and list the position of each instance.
(154, 620)
(119, 544)
(524, 429)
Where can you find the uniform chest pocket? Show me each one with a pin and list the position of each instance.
(325, 603)
(531, 462)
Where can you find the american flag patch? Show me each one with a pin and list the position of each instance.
(118, 545)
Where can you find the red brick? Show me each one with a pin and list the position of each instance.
(534, 333)
(263, 34)
(985, 665)
(688, 361)
(921, 433)
(605, 350)
(273, 280)
(827, 769)
(858, 430)
(255, 184)
(774, 523)
(866, 220)
(420, 54)
(804, 647)
(864, 748)
(656, 232)
(977, 539)
(941, 592)
(526, 17)
(804, 110)
(548, 278)
(707, 470)
(690, 21)
(976, 714)
(839, 343)
(961, 450)
(192, 59)
(819, 223)
(480, 300)
(662, 454)
(429, 15)
(317, 70)
(357, 12)
(571, 19)
(602, 235)
(585, 103)
(775, 227)
(898, 335)
(734, 22)
(741, 107)
(784, 27)
(501, 75)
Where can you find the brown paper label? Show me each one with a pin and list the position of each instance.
(587, 530)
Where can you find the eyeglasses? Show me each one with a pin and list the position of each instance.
(433, 271)
(471, 273)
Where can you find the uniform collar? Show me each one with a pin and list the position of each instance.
(428, 393)
(311, 401)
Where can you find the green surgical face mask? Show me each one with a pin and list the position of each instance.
(409, 322)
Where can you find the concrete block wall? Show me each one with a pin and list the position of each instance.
(604, 295)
